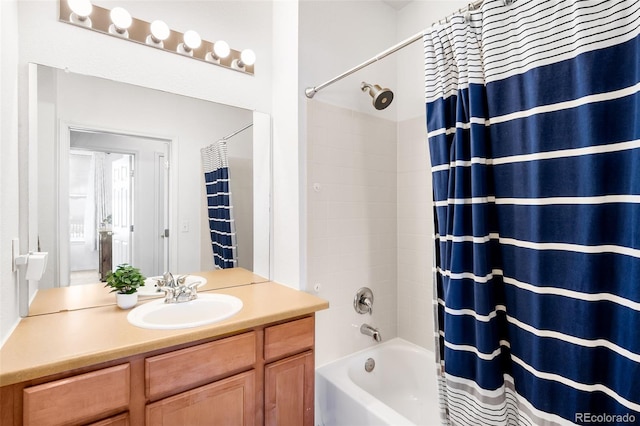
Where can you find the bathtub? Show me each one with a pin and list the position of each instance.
(400, 390)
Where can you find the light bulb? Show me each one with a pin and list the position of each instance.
(221, 49)
(120, 18)
(159, 30)
(247, 57)
(121, 21)
(80, 11)
(192, 39)
(82, 8)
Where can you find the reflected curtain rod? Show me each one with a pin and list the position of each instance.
(230, 135)
(311, 91)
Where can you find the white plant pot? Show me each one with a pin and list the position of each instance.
(126, 301)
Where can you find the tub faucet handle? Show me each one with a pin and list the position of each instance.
(363, 302)
(368, 303)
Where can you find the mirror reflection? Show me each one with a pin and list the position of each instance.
(103, 205)
(120, 179)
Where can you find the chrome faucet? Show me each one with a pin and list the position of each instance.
(371, 331)
(167, 280)
(363, 301)
(175, 290)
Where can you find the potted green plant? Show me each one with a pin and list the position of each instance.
(124, 281)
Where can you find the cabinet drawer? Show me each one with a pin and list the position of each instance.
(187, 368)
(121, 420)
(288, 338)
(79, 398)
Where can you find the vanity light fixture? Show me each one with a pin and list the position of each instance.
(118, 22)
(121, 21)
(80, 11)
(247, 58)
(191, 41)
(159, 33)
(220, 50)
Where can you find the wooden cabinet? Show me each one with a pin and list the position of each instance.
(288, 394)
(78, 399)
(289, 381)
(264, 375)
(226, 402)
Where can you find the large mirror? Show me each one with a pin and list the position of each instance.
(116, 175)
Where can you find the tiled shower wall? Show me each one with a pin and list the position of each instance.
(352, 224)
(415, 230)
(370, 224)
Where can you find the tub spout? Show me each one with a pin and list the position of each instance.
(371, 331)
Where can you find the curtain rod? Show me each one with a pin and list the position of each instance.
(229, 136)
(311, 91)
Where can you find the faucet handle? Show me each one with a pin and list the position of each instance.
(193, 288)
(169, 280)
(363, 301)
(169, 293)
(368, 303)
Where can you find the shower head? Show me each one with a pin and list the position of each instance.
(381, 97)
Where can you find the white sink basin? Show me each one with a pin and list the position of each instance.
(208, 308)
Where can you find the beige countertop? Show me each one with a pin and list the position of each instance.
(53, 343)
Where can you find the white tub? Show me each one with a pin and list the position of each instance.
(401, 389)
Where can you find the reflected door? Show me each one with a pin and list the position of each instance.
(161, 185)
(121, 202)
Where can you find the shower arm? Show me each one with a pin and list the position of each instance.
(311, 91)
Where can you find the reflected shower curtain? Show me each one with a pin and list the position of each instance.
(221, 223)
(533, 119)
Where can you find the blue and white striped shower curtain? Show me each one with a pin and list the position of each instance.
(221, 223)
(533, 120)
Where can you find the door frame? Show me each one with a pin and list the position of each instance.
(61, 270)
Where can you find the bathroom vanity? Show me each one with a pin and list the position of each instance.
(90, 366)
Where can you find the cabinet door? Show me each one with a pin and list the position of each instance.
(226, 402)
(289, 391)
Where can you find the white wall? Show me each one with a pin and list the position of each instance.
(336, 35)
(286, 152)
(45, 40)
(350, 152)
(352, 224)
(9, 210)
